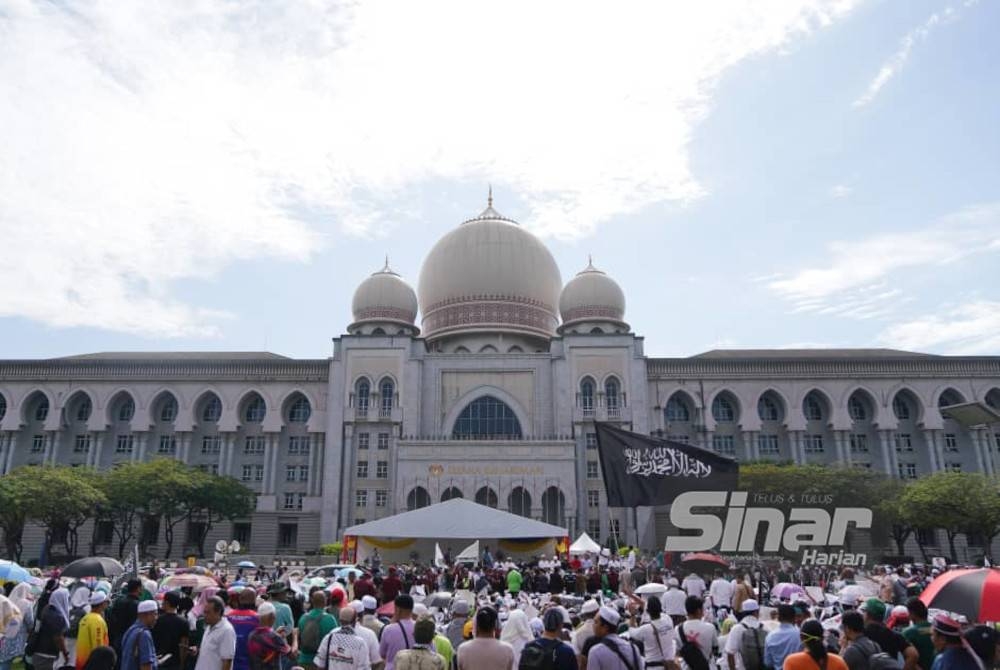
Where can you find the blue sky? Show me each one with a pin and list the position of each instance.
(220, 177)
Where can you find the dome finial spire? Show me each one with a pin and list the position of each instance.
(387, 268)
(489, 198)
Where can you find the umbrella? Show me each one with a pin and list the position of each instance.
(651, 588)
(441, 600)
(95, 566)
(346, 571)
(189, 580)
(974, 592)
(12, 572)
(246, 564)
(789, 591)
(703, 561)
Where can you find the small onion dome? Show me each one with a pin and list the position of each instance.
(592, 296)
(384, 298)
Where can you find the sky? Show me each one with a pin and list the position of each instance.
(220, 176)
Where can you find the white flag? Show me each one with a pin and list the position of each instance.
(470, 554)
(438, 556)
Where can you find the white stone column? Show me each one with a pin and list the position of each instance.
(222, 453)
(843, 452)
(930, 437)
(143, 439)
(886, 443)
(748, 445)
(230, 448)
(989, 448)
(274, 446)
(977, 448)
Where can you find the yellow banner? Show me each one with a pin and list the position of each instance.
(388, 544)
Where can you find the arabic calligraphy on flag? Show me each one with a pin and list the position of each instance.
(641, 471)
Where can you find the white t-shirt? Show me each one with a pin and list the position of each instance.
(673, 602)
(217, 645)
(694, 585)
(371, 639)
(343, 649)
(721, 592)
(655, 635)
(702, 634)
(735, 638)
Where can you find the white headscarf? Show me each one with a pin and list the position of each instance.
(59, 600)
(22, 598)
(80, 597)
(9, 614)
(517, 632)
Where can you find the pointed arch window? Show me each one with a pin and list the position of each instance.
(723, 410)
(612, 395)
(255, 411)
(363, 396)
(587, 395)
(42, 409)
(677, 411)
(212, 411)
(300, 410)
(857, 409)
(487, 418)
(126, 410)
(901, 408)
(168, 410)
(386, 392)
(84, 409)
(812, 408)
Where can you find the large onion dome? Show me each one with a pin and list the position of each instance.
(384, 300)
(489, 275)
(592, 298)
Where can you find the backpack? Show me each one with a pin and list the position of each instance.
(691, 653)
(75, 615)
(536, 656)
(878, 659)
(752, 647)
(311, 635)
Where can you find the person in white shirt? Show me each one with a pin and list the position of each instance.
(697, 631)
(657, 637)
(218, 644)
(721, 591)
(343, 648)
(748, 625)
(673, 601)
(694, 585)
(370, 637)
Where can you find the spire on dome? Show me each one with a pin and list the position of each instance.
(490, 214)
(386, 269)
(590, 266)
(489, 198)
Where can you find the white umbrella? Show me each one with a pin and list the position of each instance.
(651, 588)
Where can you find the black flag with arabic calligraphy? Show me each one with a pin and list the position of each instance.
(642, 471)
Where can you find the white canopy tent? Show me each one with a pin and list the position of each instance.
(400, 536)
(584, 545)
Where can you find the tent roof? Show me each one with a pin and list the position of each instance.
(583, 545)
(457, 518)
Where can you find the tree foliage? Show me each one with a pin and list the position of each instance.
(958, 502)
(62, 499)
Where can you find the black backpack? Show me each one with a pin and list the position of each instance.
(536, 655)
(75, 615)
(691, 653)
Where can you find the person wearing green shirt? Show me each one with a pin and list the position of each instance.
(919, 632)
(514, 580)
(313, 627)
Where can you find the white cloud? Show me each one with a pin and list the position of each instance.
(970, 328)
(146, 143)
(854, 281)
(841, 190)
(891, 67)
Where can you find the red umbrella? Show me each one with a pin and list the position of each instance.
(974, 592)
(703, 561)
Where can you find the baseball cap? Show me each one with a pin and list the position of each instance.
(147, 606)
(265, 609)
(875, 607)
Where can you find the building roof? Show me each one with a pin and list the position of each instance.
(457, 519)
(813, 354)
(175, 356)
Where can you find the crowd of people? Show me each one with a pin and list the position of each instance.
(578, 613)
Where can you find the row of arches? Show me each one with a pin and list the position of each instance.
(164, 408)
(518, 500)
(365, 391)
(816, 406)
(613, 396)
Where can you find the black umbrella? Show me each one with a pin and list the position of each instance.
(95, 566)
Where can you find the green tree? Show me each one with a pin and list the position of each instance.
(215, 499)
(889, 513)
(984, 508)
(945, 500)
(16, 499)
(63, 499)
(126, 492)
(172, 489)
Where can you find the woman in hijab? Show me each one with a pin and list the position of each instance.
(517, 633)
(51, 642)
(13, 648)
